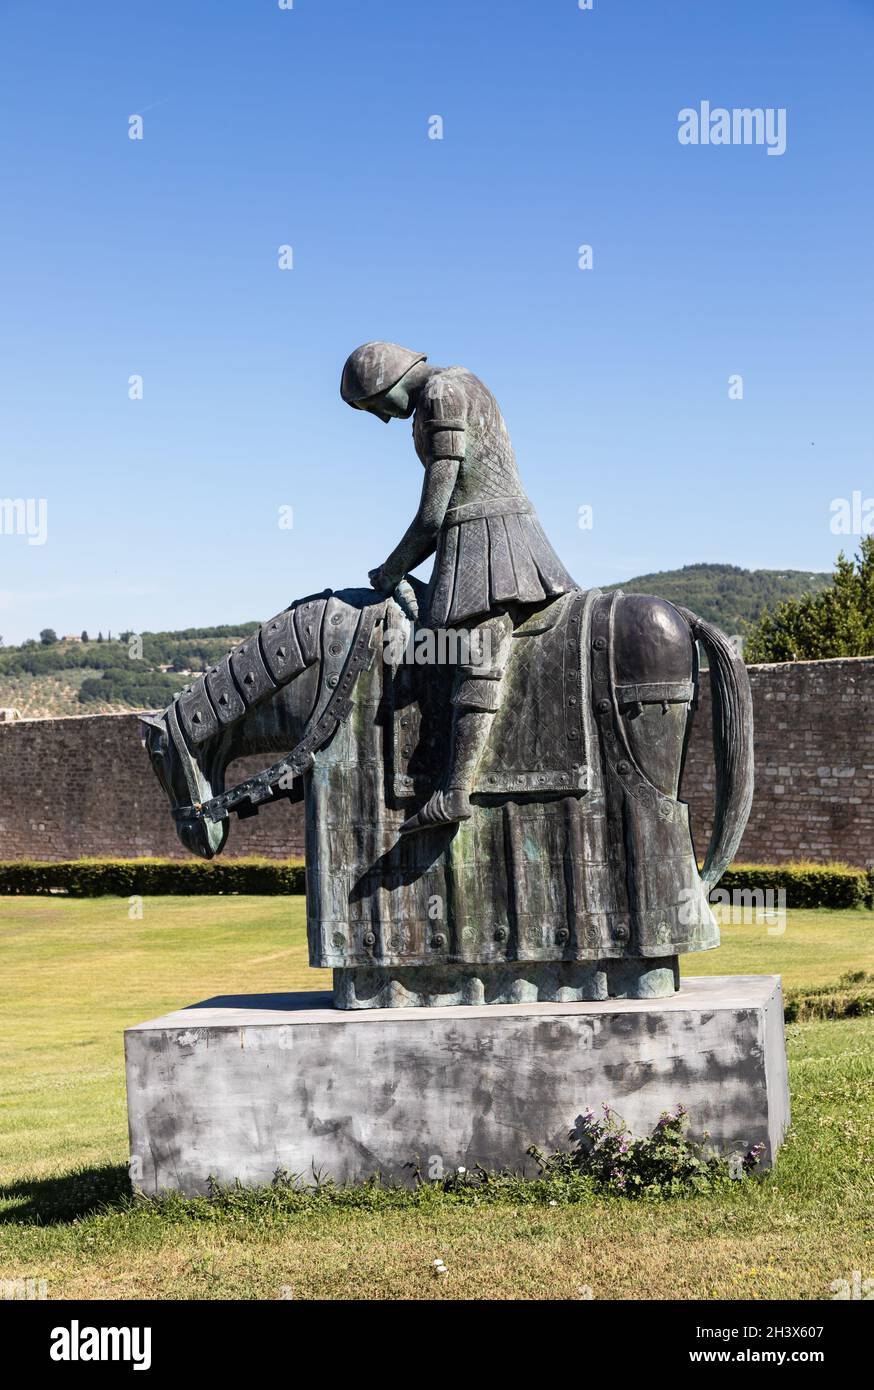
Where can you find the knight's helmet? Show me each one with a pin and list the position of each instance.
(373, 369)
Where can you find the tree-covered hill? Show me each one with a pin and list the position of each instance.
(53, 677)
(731, 597)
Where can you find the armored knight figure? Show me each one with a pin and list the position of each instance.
(493, 564)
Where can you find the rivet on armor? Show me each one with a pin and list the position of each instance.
(500, 933)
(623, 767)
(369, 938)
(338, 939)
(336, 618)
(620, 932)
(562, 935)
(599, 643)
(438, 941)
(332, 681)
(335, 649)
(407, 750)
(604, 706)
(572, 700)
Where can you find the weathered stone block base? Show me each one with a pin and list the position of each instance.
(238, 1087)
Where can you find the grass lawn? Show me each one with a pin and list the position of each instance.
(817, 947)
(76, 972)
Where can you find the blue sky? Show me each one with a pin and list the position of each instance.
(309, 127)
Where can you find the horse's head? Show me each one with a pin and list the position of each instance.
(186, 779)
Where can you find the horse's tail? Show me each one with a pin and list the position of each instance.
(732, 745)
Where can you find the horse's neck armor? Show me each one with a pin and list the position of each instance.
(329, 630)
(256, 669)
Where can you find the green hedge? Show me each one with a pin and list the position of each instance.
(91, 878)
(851, 997)
(806, 885)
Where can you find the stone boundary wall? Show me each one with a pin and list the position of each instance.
(814, 751)
(82, 787)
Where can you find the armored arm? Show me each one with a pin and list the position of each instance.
(442, 413)
(420, 538)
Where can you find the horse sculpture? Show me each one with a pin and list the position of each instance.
(575, 877)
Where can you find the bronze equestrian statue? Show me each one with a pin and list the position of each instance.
(553, 858)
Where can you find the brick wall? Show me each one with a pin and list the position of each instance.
(75, 787)
(814, 750)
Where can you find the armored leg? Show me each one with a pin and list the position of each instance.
(476, 698)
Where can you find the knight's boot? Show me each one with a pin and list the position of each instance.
(476, 699)
(451, 803)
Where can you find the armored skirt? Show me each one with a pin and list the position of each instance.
(491, 554)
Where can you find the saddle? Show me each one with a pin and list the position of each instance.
(540, 740)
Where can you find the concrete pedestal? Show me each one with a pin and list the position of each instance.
(238, 1087)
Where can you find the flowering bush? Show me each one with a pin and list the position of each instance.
(667, 1163)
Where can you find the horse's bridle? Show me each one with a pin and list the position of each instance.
(276, 782)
